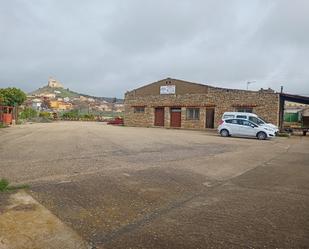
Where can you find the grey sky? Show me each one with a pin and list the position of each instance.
(104, 48)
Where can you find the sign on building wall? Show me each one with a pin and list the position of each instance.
(170, 89)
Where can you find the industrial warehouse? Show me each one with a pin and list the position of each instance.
(173, 103)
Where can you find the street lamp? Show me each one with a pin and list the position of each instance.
(250, 82)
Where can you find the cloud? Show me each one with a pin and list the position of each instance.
(108, 47)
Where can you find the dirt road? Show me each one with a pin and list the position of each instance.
(124, 187)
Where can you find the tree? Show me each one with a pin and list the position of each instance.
(12, 96)
(1, 98)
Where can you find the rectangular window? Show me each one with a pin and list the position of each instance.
(244, 109)
(139, 109)
(257, 121)
(193, 113)
(241, 116)
(227, 116)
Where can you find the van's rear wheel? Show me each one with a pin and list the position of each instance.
(261, 135)
(224, 133)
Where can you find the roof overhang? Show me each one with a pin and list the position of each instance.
(294, 98)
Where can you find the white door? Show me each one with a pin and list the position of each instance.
(246, 128)
(233, 126)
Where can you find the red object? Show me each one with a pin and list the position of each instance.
(6, 114)
(221, 122)
(159, 116)
(175, 117)
(116, 121)
(7, 118)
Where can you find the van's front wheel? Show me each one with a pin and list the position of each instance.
(261, 135)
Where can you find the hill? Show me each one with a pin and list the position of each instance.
(66, 92)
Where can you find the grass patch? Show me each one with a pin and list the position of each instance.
(2, 125)
(5, 186)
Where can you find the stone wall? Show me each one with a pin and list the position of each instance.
(264, 104)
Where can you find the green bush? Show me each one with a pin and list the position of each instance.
(76, 114)
(71, 114)
(45, 115)
(28, 113)
(88, 116)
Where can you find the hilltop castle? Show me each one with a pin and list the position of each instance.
(54, 83)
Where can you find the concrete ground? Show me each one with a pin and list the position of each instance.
(124, 187)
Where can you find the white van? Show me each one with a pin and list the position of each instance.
(249, 116)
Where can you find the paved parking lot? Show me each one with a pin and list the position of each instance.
(125, 187)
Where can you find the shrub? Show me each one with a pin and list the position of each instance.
(45, 115)
(71, 114)
(88, 116)
(28, 113)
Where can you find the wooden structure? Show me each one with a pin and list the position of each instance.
(6, 114)
(291, 98)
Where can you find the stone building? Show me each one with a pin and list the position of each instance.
(177, 103)
(54, 83)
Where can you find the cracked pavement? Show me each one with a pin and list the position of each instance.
(126, 187)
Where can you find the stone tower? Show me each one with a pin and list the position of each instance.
(54, 83)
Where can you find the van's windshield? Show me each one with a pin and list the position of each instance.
(263, 120)
(256, 120)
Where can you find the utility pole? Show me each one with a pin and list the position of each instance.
(250, 82)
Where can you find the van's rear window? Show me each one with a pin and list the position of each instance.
(228, 116)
